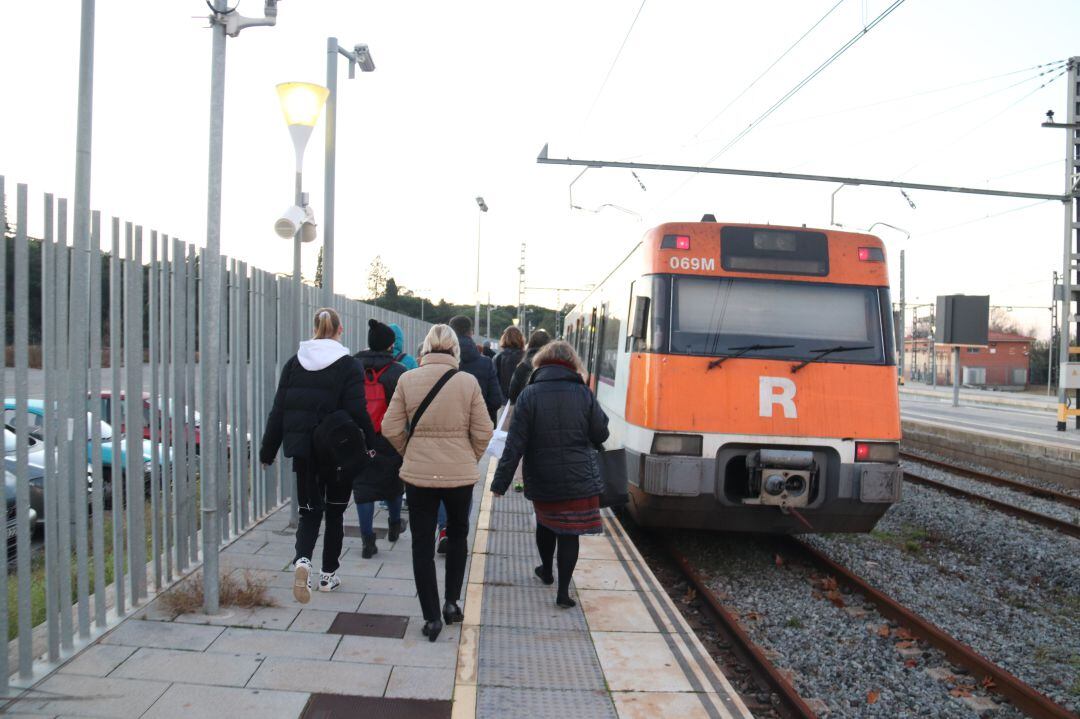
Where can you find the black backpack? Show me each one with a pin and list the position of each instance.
(338, 442)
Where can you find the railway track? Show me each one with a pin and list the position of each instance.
(1022, 487)
(791, 704)
(1020, 694)
(1045, 520)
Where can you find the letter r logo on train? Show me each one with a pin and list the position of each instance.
(776, 391)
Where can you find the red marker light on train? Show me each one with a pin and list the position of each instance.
(862, 451)
(675, 242)
(871, 254)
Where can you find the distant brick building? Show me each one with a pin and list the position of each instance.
(1003, 364)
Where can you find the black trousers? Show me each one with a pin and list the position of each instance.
(423, 509)
(320, 492)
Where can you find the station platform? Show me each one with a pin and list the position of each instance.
(623, 651)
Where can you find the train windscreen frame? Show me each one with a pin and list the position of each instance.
(715, 316)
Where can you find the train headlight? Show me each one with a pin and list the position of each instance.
(877, 452)
(774, 484)
(686, 444)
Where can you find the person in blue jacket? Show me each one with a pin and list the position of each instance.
(400, 355)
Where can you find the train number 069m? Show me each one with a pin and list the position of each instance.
(693, 263)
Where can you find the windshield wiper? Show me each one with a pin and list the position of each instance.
(743, 350)
(825, 352)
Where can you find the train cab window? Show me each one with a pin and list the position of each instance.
(647, 314)
(716, 316)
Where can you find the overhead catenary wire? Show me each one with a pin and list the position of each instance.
(806, 80)
(614, 62)
(916, 235)
(766, 71)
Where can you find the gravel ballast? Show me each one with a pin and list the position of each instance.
(1007, 588)
(845, 655)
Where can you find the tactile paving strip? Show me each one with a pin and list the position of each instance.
(502, 571)
(530, 608)
(543, 703)
(513, 503)
(537, 659)
(513, 522)
(514, 544)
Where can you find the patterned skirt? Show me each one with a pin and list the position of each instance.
(570, 516)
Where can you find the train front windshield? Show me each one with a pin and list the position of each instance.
(716, 316)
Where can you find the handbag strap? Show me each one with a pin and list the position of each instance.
(424, 405)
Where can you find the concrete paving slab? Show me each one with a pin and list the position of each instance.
(338, 600)
(245, 545)
(184, 701)
(269, 643)
(258, 618)
(84, 696)
(600, 574)
(377, 585)
(403, 570)
(421, 683)
(387, 604)
(412, 651)
(168, 665)
(639, 662)
(615, 611)
(316, 621)
(163, 635)
(321, 676)
(98, 660)
(255, 561)
(648, 705)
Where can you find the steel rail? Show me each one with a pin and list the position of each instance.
(1022, 695)
(1045, 520)
(1040, 492)
(791, 704)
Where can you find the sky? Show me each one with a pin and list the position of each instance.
(465, 95)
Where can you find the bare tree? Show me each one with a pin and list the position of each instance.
(378, 274)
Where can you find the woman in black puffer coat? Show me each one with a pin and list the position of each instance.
(321, 378)
(524, 370)
(556, 428)
(511, 350)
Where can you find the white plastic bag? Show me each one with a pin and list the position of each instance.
(497, 443)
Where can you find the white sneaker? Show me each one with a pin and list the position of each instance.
(301, 586)
(328, 582)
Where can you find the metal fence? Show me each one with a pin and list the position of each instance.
(115, 525)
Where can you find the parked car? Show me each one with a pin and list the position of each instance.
(12, 512)
(35, 472)
(106, 398)
(36, 425)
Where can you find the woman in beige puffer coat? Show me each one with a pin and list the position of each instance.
(440, 465)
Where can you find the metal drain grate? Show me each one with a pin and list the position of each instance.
(347, 706)
(369, 625)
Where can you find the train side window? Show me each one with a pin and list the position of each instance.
(592, 343)
(609, 345)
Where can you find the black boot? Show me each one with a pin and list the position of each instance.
(394, 531)
(431, 629)
(451, 613)
(369, 550)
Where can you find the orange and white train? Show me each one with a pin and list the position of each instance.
(749, 376)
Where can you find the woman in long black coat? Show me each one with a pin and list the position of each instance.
(556, 428)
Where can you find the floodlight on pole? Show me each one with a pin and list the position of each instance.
(483, 208)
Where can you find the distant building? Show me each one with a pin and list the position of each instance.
(1004, 364)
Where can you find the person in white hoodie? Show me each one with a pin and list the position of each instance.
(321, 378)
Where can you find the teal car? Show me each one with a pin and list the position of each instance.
(35, 421)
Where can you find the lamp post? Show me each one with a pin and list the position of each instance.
(483, 208)
(359, 55)
(301, 103)
(903, 302)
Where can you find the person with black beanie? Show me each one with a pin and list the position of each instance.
(379, 366)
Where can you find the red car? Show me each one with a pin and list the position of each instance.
(106, 398)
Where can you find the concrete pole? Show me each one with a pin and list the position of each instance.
(476, 314)
(329, 160)
(209, 344)
(903, 319)
(956, 377)
(1071, 250)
